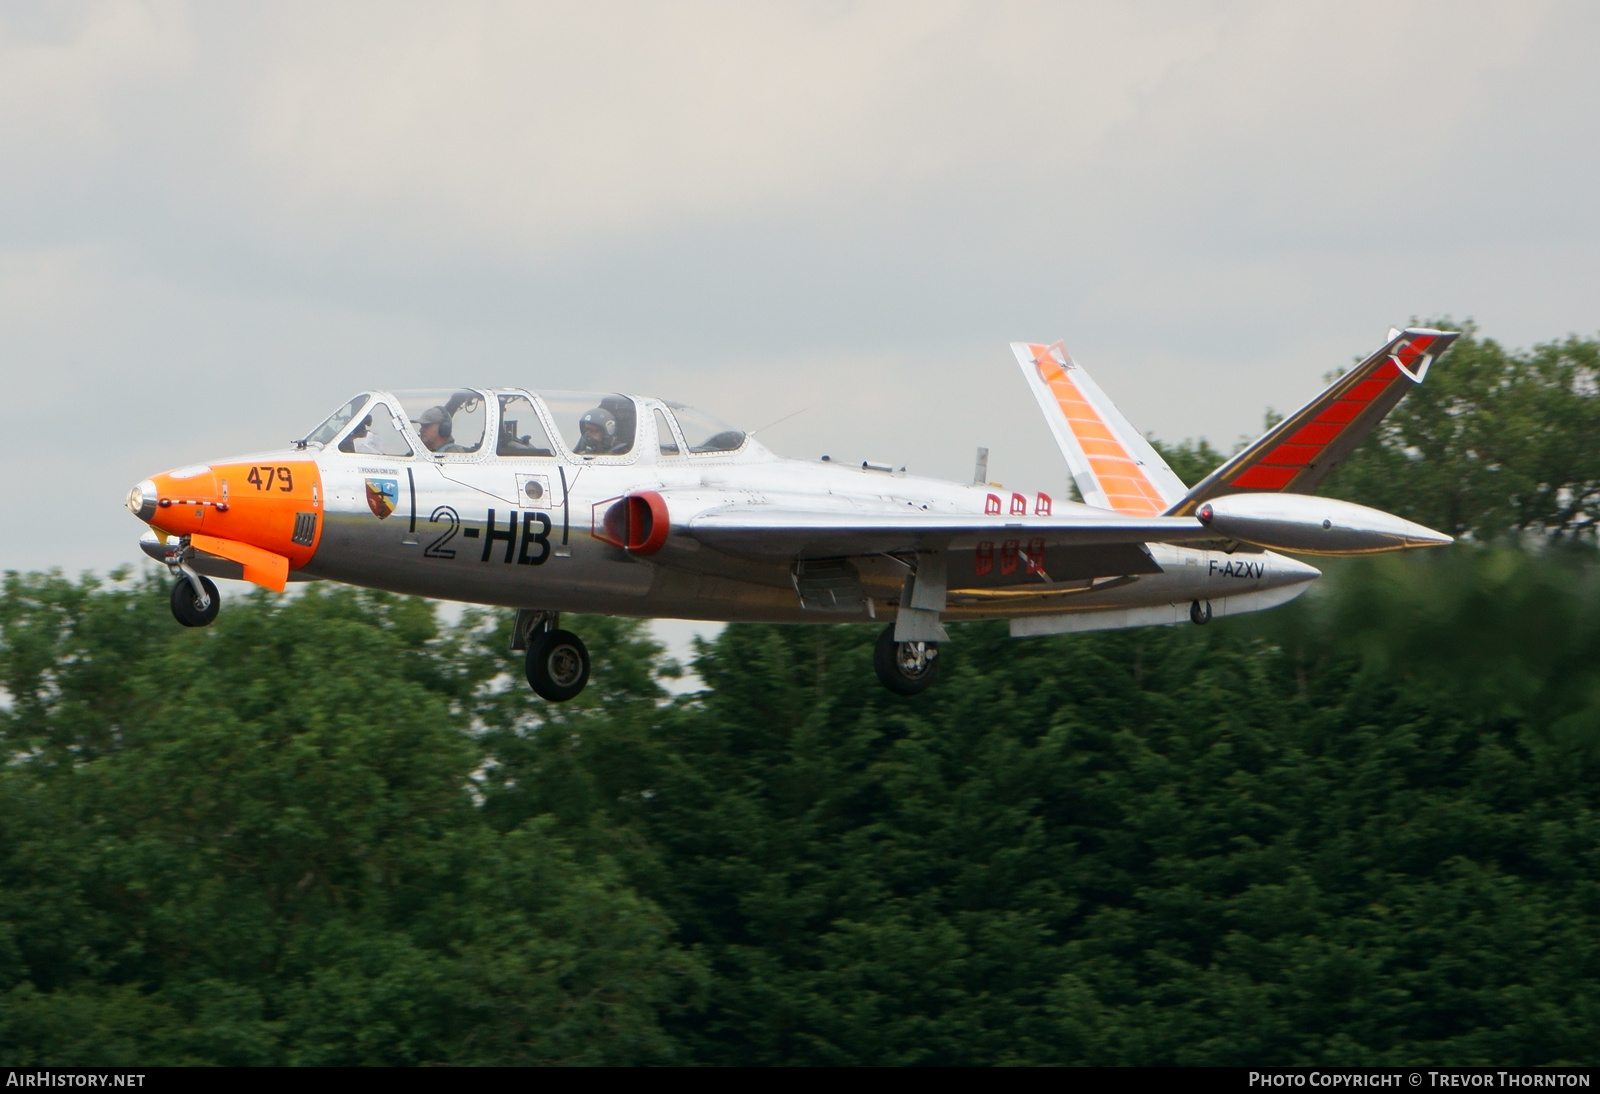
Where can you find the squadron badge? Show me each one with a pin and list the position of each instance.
(382, 496)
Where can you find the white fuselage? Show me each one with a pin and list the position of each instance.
(472, 529)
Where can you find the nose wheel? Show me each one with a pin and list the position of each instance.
(558, 665)
(905, 668)
(195, 607)
(195, 600)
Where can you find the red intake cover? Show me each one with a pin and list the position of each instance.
(639, 522)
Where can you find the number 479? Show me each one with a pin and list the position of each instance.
(263, 477)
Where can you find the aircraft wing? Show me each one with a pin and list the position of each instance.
(770, 532)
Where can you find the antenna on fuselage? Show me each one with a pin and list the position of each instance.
(780, 421)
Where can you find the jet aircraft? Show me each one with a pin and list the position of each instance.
(555, 501)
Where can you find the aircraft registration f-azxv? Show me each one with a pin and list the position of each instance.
(553, 502)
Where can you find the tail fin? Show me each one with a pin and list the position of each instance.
(1113, 465)
(1298, 453)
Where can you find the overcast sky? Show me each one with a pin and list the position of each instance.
(219, 221)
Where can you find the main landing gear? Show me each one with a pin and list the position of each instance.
(195, 600)
(905, 668)
(1200, 615)
(557, 661)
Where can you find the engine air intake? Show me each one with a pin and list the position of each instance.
(638, 523)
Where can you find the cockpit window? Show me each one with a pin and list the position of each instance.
(521, 431)
(330, 427)
(377, 434)
(449, 422)
(664, 435)
(705, 433)
(594, 425)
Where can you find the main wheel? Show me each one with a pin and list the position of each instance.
(558, 665)
(1200, 616)
(905, 668)
(186, 607)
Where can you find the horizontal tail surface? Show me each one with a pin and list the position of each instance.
(1299, 452)
(1111, 462)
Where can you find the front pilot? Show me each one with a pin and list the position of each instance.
(434, 428)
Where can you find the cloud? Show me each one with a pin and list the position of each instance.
(545, 127)
(62, 68)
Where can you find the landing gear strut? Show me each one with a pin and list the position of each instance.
(557, 660)
(905, 668)
(195, 600)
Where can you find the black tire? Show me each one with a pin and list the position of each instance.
(558, 665)
(1198, 615)
(905, 668)
(186, 607)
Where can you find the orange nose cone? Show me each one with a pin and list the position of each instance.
(273, 507)
(183, 499)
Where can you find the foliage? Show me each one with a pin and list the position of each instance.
(1190, 460)
(326, 830)
(1360, 831)
(258, 844)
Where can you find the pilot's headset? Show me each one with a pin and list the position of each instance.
(439, 417)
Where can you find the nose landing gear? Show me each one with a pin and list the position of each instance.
(195, 600)
(905, 668)
(557, 661)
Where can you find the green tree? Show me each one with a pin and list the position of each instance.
(1190, 460)
(1362, 830)
(259, 843)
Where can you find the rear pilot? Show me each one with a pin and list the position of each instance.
(597, 433)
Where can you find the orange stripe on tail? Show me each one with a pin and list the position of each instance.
(1127, 488)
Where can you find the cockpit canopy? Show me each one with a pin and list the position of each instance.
(448, 422)
(593, 425)
(456, 422)
(705, 433)
(334, 423)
